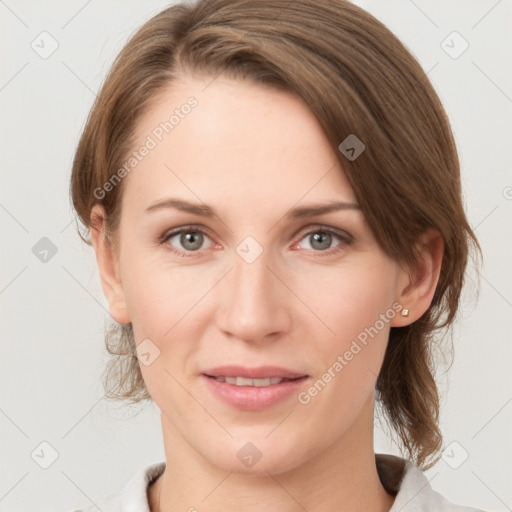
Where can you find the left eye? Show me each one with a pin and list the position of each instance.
(321, 240)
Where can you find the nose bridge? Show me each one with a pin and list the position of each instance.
(252, 303)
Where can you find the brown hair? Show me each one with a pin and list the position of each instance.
(357, 78)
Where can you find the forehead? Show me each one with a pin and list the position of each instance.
(219, 138)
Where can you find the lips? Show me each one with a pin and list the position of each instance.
(256, 373)
(253, 389)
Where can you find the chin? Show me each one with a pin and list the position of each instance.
(260, 456)
(274, 466)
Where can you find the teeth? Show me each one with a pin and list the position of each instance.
(242, 381)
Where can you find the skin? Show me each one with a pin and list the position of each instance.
(252, 154)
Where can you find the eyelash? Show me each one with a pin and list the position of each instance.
(344, 237)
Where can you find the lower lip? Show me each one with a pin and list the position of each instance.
(252, 398)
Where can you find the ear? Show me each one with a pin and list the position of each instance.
(417, 284)
(108, 267)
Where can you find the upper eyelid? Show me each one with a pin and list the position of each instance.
(184, 229)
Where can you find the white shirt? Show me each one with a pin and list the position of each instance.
(399, 477)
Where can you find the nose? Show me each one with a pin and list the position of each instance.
(254, 305)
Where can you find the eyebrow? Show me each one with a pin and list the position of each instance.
(204, 210)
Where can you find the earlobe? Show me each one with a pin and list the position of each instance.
(107, 267)
(418, 284)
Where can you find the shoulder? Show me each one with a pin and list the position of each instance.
(132, 497)
(411, 487)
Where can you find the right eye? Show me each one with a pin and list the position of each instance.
(185, 240)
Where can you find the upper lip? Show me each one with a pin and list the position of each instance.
(259, 372)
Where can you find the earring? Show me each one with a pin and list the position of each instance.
(405, 312)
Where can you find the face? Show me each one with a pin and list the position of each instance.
(225, 259)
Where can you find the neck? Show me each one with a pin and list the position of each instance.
(343, 477)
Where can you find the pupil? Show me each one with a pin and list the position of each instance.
(191, 240)
(323, 240)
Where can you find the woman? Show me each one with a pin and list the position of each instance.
(272, 191)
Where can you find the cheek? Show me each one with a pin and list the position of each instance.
(348, 300)
(156, 294)
(354, 310)
(165, 307)
(357, 308)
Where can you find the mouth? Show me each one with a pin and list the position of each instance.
(257, 376)
(253, 389)
(258, 383)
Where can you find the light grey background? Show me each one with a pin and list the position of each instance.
(53, 313)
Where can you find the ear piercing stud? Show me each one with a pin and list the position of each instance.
(405, 312)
